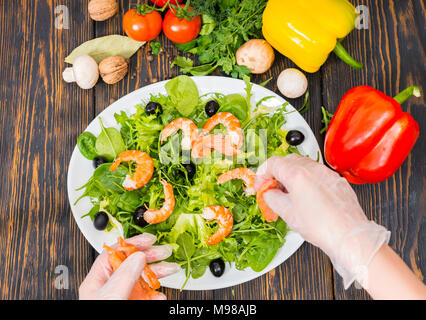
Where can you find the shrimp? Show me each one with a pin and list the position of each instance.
(189, 129)
(245, 174)
(202, 147)
(223, 216)
(146, 286)
(143, 172)
(268, 214)
(231, 123)
(157, 216)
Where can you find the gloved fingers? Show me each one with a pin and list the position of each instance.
(97, 276)
(142, 241)
(101, 270)
(122, 281)
(159, 296)
(280, 203)
(164, 269)
(280, 168)
(157, 253)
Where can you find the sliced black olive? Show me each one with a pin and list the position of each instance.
(211, 108)
(100, 221)
(153, 108)
(138, 217)
(217, 267)
(294, 137)
(190, 169)
(99, 161)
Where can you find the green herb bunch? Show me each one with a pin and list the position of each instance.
(227, 24)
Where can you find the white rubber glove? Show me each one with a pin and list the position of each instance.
(323, 208)
(102, 284)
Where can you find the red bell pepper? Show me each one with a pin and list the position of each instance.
(370, 136)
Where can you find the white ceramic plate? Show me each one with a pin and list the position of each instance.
(81, 169)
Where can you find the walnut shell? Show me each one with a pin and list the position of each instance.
(100, 10)
(113, 69)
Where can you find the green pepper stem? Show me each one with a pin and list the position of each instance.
(407, 93)
(341, 52)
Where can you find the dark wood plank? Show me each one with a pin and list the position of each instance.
(41, 119)
(393, 54)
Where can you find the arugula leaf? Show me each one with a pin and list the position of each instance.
(306, 105)
(326, 119)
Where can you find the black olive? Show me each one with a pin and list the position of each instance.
(211, 108)
(217, 267)
(294, 137)
(100, 221)
(138, 217)
(153, 108)
(190, 169)
(99, 161)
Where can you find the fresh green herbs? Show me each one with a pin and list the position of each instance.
(155, 48)
(227, 25)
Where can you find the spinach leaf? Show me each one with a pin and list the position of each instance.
(109, 143)
(186, 247)
(235, 104)
(86, 144)
(110, 181)
(184, 94)
(262, 252)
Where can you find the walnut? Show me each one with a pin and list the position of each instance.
(113, 69)
(100, 10)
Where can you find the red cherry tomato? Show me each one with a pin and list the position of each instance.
(181, 30)
(142, 27)
(162, 3)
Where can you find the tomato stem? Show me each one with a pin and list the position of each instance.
(407, 93)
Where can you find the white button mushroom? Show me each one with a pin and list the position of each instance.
(84, 72)
(257, 55)
(292, 83)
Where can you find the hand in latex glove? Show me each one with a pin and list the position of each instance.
(323, 208)
(101, 283)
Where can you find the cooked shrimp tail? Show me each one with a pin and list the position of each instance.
(242, 173)
(268, 214)
(223, 217)
(162, 214)
(143, 172)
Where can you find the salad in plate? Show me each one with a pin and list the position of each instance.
(182, 167)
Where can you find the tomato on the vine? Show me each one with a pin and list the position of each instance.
(181, 29)
(162, 3)
(142, 26)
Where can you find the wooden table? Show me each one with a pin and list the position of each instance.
(41, 117)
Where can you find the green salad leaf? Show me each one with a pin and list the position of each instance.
(109, 143)
(86, 143)
(183, 93)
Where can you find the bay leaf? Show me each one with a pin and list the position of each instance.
(104, 47)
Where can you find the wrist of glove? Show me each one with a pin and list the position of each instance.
(353, 252)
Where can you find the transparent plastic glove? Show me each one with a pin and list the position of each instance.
(324, 209)
(102, 284)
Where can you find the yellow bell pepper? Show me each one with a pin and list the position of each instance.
(307, 31)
